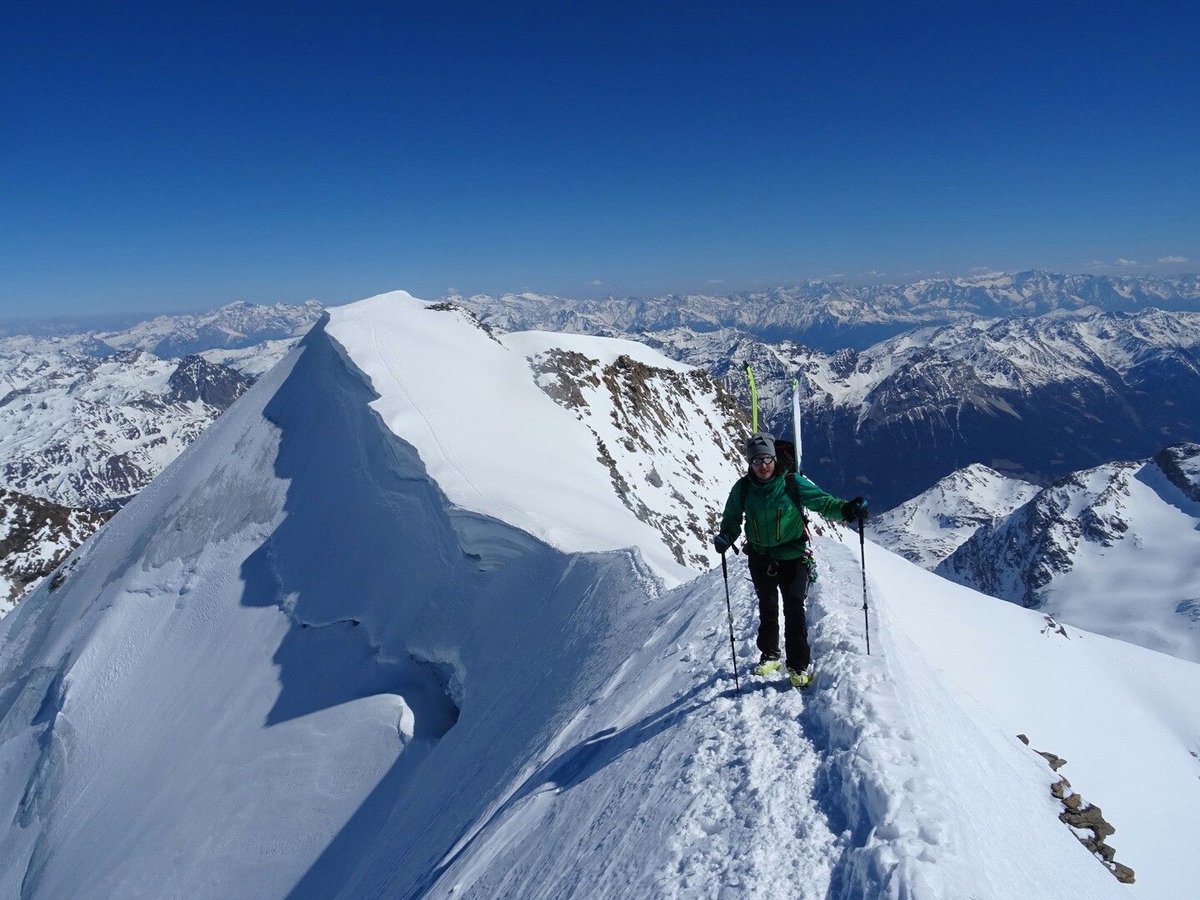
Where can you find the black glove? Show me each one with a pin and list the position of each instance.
(722, 542)
(855, 510)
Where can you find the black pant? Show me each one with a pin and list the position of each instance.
(772, 577)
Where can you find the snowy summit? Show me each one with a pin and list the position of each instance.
(429, 611)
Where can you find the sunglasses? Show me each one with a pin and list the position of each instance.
(762, 460)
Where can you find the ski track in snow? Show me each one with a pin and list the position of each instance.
(770, 792)
(731, 786)
(813, 793)
(444, 446)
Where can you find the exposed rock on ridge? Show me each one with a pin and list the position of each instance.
(1084, 819)
(633, 409)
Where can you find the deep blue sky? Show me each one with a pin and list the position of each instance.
(160, 157)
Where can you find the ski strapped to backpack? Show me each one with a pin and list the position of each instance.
(790, 451)
(787, 458)
(753, 399)
(799, 447)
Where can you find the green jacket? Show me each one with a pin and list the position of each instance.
(774, 523)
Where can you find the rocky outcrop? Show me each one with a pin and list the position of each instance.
(465, 314)
(637, 413)
(1086, 820)
(195, 378)
(1181, 464)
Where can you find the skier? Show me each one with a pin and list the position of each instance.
(771, 500)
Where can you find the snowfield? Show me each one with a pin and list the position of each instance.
(387, 630)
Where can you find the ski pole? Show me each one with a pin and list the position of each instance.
(729, 613)
(862, 550)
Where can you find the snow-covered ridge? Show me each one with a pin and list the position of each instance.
(421, 699)
(89, 425)
(641, 442)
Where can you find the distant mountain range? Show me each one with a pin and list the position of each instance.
(87, 420)
(236, 326)
(833, 316)
(1035, 398)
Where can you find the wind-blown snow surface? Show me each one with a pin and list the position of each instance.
(294, 666)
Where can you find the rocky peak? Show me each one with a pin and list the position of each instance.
(1181, 464)
(932, 525)
(195, 378)
(1015, 557)
(1111, 549)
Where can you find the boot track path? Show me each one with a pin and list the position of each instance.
(753, 825)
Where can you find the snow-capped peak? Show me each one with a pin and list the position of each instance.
(933, 525)
(636, 444)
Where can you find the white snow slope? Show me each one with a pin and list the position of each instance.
(326, 653)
